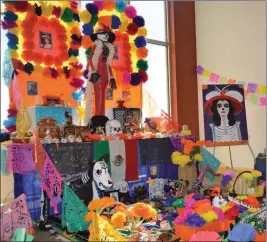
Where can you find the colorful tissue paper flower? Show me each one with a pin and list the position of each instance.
(195, 221)
(209, 216)
(242, 232)
(143, 76)
(77, 82)
(115, 22)
(126, 78)
(180, 220)
(247, 176)
(241, 209)
(139, 21)
(140, 42)
(135, 79)
(199, 196)
(130, 12)
(231, 213)
(120, 6)
(229, 173)
(10, 16)
(99, 5)
(225, 180)
(205, 236)
(88, 29)
(220, 213)
(91, 8)
(132, 29)
(179, 203)
(198, 157)
(189, 203)
(256, 173)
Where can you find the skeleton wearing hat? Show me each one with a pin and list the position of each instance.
(100, 72)
(223, 105)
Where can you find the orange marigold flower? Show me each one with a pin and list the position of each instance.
(118, 220)
(89, 216)
(144, 210)
(119, 209)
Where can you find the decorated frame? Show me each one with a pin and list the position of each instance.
(44, 39)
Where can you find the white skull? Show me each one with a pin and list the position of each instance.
(101, 175)
(219, 201)
(48, 139)
(56, 140)
(122, 186)
(71, 138)
(78, 139)
(113, 127)
(64, 140)
(223, 107)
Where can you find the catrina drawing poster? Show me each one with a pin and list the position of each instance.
(225, 114)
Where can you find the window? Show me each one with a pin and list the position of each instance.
(156, 89)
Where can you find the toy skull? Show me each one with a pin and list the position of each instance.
(71, 138)
(48, 139)
(64, 140)
(101, 176)
(122, 186)
(55, 140)
(113, 127)
(78, 139)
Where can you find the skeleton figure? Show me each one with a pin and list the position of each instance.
(71, 138)
(113, 127)
(100, 72)
(223, 105)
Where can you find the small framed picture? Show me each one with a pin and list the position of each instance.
(112, 193)
(115, 195)
(32, 88)
(109, 94)
(46, 40)
(52, 101)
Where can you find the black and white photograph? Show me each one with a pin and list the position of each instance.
(46, 40)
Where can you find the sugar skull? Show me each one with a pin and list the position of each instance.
(48, 139)
(113, 127)
(55, 140)
(122, 186)
(64, 140)
(78, 139)
(71, 138)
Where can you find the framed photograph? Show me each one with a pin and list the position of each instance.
(225, 114)
(112, 193)
(109, 94)
(32, 88)
(45, 40)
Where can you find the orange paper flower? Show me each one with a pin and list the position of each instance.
(118, 220)
(144, 210)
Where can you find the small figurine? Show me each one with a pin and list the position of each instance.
(55, 140)
(185, 131)
(48, 139)
(64, 140)
(71, 138)
(78, 139)
(42, 141)
(68, 128)
(131, 126)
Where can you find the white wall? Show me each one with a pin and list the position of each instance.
(231, 41)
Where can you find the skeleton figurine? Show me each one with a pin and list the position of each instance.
(99, 71)
(113, 127)
(64, 140)
(48, 139)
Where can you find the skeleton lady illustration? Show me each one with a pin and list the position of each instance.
(223, 105)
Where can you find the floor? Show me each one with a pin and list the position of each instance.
(46, 236)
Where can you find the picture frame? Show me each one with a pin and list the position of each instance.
(32, 88)
(112, 193)
(109, 94)
(46, 41)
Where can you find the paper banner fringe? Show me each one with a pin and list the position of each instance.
(255, 93)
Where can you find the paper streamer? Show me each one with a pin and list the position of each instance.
(251, 88)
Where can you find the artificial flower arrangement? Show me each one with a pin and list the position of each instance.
(189, 156)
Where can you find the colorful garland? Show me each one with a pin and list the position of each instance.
(122, 19)
(21, 19)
